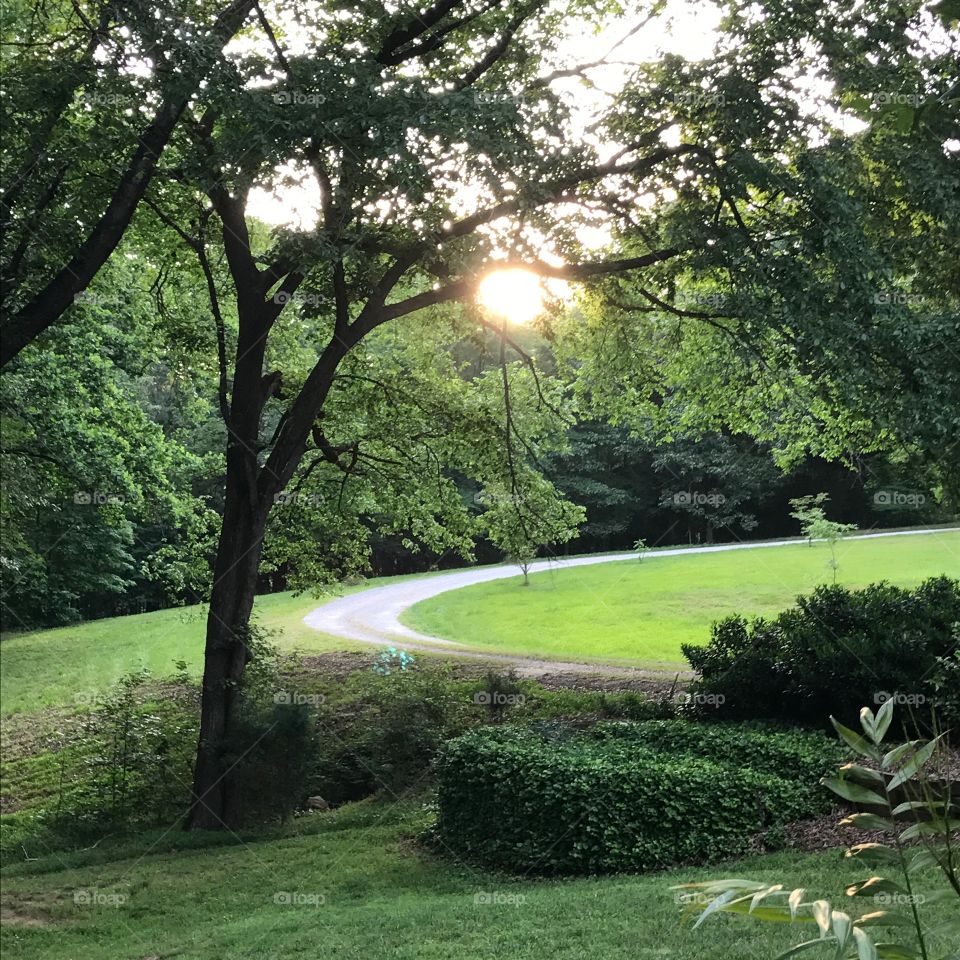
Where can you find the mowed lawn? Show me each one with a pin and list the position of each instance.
(355, 885)
(70, 665)
(643, 611)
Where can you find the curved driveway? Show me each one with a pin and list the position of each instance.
(373, 616)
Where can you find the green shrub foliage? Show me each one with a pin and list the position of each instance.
(619, 797)
(833, 652)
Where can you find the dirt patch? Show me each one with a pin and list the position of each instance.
(25, 911)
(338, 665)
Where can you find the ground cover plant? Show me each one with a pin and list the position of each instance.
(548, 800)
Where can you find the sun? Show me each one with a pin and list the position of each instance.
(514, 294)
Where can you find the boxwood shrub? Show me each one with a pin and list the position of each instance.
(525, 800)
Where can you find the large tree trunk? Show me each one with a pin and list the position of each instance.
(215, 802)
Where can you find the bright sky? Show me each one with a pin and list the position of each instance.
(685, 27)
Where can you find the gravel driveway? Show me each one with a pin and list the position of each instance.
(373, 616)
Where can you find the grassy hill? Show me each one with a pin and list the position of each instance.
(644, 611)
(352, 884)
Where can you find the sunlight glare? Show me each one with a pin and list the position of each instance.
(515, 295)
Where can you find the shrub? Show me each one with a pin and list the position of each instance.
(550, 801)
(132, 763)
(793, 755)
(384, 732)
(832, 652)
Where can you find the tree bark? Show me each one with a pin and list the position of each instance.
(216, 801)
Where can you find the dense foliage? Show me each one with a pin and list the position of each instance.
(549, 801)
(834, 651)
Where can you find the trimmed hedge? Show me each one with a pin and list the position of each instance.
(792, 755)
(524, 800)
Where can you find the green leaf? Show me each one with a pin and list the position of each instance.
(894, 756)
(913, 765)
(804, 947)
(821, 913)
(852, 791)
(868, 821)
(884, 716)
(873, 886)
(874, 854)
(895, 951)
(868, 723)
(864, 775)
(854, 739)
(865, 948)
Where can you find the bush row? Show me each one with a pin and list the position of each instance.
(835, 651)
(523, 800)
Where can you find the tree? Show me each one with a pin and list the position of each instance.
(346, 118)
(87, 471)
(73, 102)
(396, 137)
(815, 525)
(814, 310)
(429, 142)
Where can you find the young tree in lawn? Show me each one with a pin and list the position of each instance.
(815, 525)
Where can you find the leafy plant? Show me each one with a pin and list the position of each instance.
(391, 660)
(566, 802)
(815, 525)
(837, 649)
(895, 785)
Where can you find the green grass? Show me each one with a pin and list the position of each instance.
(190, 896)
(644, 611)
(71, 665)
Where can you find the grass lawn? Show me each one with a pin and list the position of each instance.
(644, 611)
(357, 887)
(72, 664)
